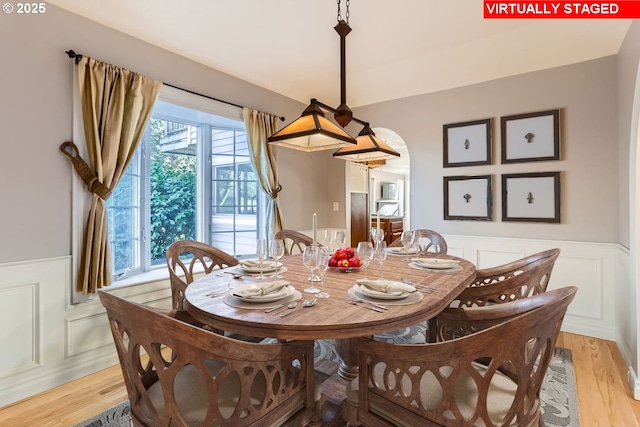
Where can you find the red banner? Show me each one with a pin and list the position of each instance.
(628, 9)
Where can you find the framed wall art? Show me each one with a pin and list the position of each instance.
(531, 197)
(467, 144)
(530, 137)
(468, 197)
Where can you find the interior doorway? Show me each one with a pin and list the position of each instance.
(387, 188)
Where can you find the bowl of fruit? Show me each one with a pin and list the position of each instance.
(344, 261)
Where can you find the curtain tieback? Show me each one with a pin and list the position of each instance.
(274, 193)
(83, 169)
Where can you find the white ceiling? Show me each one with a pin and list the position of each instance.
(397, 48)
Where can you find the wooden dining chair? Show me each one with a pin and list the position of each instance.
(497, 285)
(438, 243)
(179, 375)
(491, 377)
(294, 241)
(184, 258)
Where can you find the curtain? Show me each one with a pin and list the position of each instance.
(260, 126)
(116, 107)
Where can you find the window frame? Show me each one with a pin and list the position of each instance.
(81, 200)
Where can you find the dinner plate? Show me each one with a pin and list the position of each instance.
(434, 264)
(401, 251)
(272, 296)
(361, 289)
(267, 267)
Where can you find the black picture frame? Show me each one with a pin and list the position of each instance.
(531, 197)
(468, 197)
(467, 143)
(531, 137)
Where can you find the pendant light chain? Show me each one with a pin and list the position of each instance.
(340, 14)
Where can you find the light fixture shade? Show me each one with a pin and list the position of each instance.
(373, 164)
(368, 148)
(312, 132)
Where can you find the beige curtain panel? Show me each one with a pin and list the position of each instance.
(261, 126)
(116, 107)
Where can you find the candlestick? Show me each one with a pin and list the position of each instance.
(315, 224)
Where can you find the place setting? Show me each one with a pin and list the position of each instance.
(436, 264)
(262, 295)
(379, 293)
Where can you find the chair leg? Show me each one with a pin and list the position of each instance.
(432, 330)
(320, 409)
(338, 419)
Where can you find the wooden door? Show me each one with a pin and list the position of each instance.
(359, 218)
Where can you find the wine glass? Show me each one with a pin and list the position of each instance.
(377, 234)
(380, 255)
(276, 250)
(261, 253)
(323, 265)
(311, 259)
(364, 250)
(328, 239)
(406, 238)
(340, 238)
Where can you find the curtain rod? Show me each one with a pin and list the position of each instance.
(78, 57)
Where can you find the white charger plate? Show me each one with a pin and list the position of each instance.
(434, 263)
(361, 289)
(270, 297)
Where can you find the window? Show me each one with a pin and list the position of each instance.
(191, 178)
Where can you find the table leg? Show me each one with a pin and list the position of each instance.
(348, 358)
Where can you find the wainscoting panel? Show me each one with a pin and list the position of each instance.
(19, 308)
(47, 341)
(589, 266)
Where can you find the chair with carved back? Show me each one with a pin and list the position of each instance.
(437, 245)
(497, 285)
(491, 377)
(191, 377)
(186, 257)
(294, 241)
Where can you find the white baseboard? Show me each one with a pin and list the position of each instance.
(634, 383)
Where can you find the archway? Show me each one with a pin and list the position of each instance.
(364, 182)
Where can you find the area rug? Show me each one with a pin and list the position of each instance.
(558, 394)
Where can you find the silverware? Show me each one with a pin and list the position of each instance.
(306, 304)
(419, 287)
(290, 306)
(274, 308)
(235, 274)
(217, 292)
(370, 307)
(380, 306)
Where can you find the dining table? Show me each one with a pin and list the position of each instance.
(210, 299)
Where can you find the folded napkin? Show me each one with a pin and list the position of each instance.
(386, 286)
(268, 288)
(256, 264)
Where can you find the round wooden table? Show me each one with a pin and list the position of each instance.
(330, 318)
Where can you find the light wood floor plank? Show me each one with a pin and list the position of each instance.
(604, 398)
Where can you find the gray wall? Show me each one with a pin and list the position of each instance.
(586, 95)
(36, 105)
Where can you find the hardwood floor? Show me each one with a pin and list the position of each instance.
(604, 397)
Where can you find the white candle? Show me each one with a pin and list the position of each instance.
(315, 224)
(378, 220)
